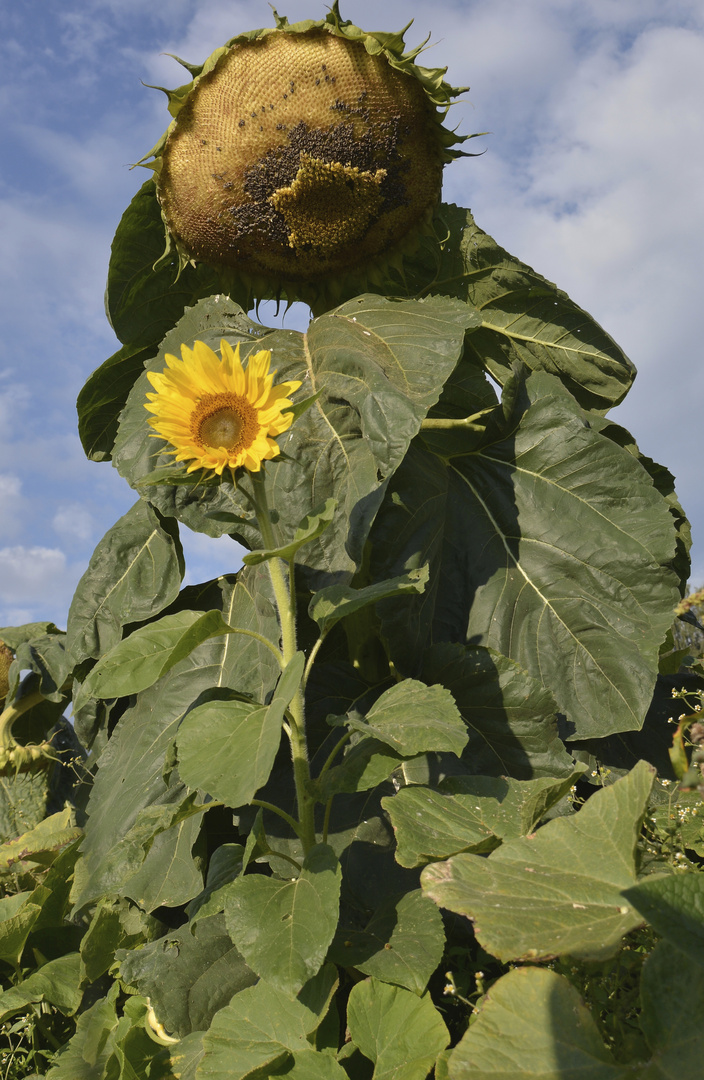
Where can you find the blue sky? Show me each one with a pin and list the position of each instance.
(594, 174)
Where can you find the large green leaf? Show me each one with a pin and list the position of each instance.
(672, 999)
(55, 982)
(86, 1055)
(533, 1025)
(134, 572)
(262, 1027)
(378, 365)
(188, 975)
(473, 813)
(46, 656)
(510, 715)
(674, 907)
(143, 301)
(547, 542)
(103, 397)
(22, 803)
(402, 943)
(559, 890)
(149, 652)
(283, 928)
(400, 1032)
(413, 718)
(227, 747)
(131, 769)
(524, 317)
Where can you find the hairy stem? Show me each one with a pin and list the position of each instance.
(285, 597)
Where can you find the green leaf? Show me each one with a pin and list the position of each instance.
(262, 1027)
(558, 891)
(674, 907)
(228, 747)
(134, 572)
(582, 607)
(86, 1055)
(130, 774)
(365, 765)
(413, 718)
(45, 655)
(115, 924)
(41, 843)
(103, 397)
(188, 975)
(311, 527)
(143, 301)
(55, 982)
(524, 317)
(400, 1032)
(149, 652)
(473, 813)
(283, 928)
(510, 716)
(22, 803)
(168, 875)
(533, 1024)
(402, 943)
(330, 605)
(313, 1065)
(379, 364)
(672, 998)
(14, 636)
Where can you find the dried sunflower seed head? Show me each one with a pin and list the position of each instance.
(303, 156)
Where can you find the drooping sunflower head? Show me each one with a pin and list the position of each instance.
(302, 155)
(216, 414)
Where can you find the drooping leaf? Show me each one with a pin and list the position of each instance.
(46, 656)
(548, 543)
(532, 1024)
(143, 301)
(379, 366)
(262, 1027)
(412, 718)
(188, 975)
(402, 943)
(149, 653)
(471, 813)
(311, 527)
(283, 928)
(400, 1032)
(559, 890)
(524, 317)
(134, 572)
(330, 605)
(103, 397)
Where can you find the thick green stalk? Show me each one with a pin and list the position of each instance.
(285, 597)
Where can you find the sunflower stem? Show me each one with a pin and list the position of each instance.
(285, 596)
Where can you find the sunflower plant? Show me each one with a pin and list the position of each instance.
(397, 796)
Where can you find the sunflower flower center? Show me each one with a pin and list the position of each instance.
(225, 421)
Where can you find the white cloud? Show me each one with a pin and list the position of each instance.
(29, 574)
(207, 557)
(74, 522)
(11, 506)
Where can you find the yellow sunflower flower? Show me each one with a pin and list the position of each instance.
(215, 414)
